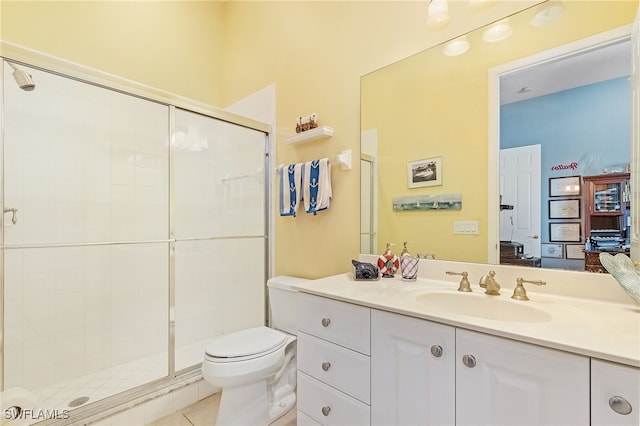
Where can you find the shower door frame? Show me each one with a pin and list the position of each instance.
(22, 56)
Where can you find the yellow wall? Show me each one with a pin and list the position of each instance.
(431, 105)
(175, 46)
(316, 53)
(220, 52)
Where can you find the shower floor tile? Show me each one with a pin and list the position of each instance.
(112, 381)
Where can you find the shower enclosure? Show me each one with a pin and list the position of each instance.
(134, 231)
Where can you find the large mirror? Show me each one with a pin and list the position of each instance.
(434, 128)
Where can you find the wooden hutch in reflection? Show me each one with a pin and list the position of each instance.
(606, 201)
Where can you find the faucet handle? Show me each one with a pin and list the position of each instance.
(465, 285)
(519, 293)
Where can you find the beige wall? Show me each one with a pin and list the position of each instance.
(220, 52)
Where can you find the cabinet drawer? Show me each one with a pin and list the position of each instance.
(339, 322)
(609, 380)
(337, 366)
(329, 406)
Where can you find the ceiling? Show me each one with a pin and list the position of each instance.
(588, 67)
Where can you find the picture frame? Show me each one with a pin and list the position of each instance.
(575, 251)
(565, 186)
(564, 209)
(551, 250)
(426, 172)
(565, 232)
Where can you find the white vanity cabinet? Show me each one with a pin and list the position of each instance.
(615, 394)
(412, 371)
(333, 362)
(433, 374)
(503, 382)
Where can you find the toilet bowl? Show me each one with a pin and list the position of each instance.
(256, 367)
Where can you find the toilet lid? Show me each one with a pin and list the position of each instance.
(253, 341)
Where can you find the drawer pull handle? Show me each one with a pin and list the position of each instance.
(326, 410)
(326, 322)
(436, 351)
(326, 365)
(620, 405)
(469, 361)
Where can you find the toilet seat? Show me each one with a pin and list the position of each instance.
(246, 344)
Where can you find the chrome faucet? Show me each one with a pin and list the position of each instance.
(465, 285)
(489, 282)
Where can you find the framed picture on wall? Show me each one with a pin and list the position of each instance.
(427, 172)
(551, 250)
(565, 232)
(575, 251)
(564, 209)
(564, 186)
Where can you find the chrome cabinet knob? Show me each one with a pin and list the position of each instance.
(469, 361)
(620, 405)
(326, 410)
(325, 322)
(326, 365)
(436, 351)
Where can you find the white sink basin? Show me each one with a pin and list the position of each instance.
(498, 308)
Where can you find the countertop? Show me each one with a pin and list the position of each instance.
(599, 329)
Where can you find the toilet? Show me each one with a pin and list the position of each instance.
(256, 367)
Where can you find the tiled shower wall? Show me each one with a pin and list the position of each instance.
(102, 206)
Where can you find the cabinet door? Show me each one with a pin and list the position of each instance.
(410, 384)
(615, 394)
(504, 382)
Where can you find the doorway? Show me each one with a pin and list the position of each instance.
(585, 163)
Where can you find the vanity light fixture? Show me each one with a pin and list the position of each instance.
(438, 14)
(548, 12)
(499, 31)
(456, 47)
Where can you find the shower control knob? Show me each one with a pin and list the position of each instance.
(436, 351)
(326, 365)
(326, 322)
(620, 405)
(469, 361)
(326, 410)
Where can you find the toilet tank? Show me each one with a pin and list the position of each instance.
(283, 303)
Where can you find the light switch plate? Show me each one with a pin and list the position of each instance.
(466, 227)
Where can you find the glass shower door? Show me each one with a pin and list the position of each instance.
(220, 249)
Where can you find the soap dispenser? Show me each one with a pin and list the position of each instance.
(408, 264)
(388, 262)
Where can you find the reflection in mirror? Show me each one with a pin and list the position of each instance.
(432, 105)
(567, 116)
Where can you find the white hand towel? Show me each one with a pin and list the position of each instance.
(290, 188)
(316, 185)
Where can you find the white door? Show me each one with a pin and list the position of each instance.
(504, 382)
(520, 188)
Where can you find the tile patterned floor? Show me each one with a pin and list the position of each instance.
(203, 413)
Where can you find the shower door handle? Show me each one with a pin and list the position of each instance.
(14, 214)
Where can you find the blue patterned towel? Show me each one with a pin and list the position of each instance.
(316, 185)
(290, 188)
